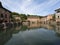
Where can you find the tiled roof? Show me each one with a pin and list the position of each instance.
(57, 9)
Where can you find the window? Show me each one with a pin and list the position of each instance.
(58, 16)
(2, 15)
(33, 22)
(5, 15)
(6, 21)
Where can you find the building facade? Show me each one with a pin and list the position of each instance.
(33, 19)
(57, 15)
(50, 19)
(43, 20)
(5, 14)
(17, 18)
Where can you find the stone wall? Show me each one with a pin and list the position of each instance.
(4, 15)
(57, 17)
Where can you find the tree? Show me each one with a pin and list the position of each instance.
(23, 17)
(54, 17)
(14, 13)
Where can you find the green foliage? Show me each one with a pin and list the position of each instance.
(40, 16)
(54, 17)
(23, 17)
(14, 13)
(35, 16)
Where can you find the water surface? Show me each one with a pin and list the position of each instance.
(39, 34)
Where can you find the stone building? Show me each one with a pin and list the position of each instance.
(57, 15)
(33, 19)
(50, 19)
(43, 20)
(17, 18)
(5, 14)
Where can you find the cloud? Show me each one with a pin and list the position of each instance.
(45, 6)
(31, 6)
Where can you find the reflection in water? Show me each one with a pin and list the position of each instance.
(33, 26)
(5, 35)
(57, 30)
(33, 34)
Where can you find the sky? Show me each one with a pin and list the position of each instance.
(33, 7)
